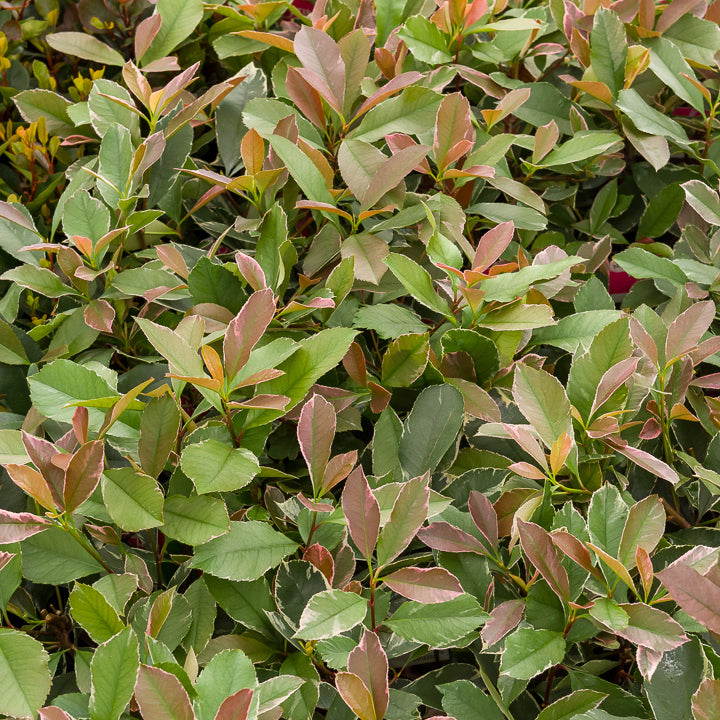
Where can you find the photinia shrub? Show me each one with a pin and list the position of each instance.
(359, 360)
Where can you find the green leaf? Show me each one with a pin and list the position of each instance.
(412, 111)
(575, 332)
(510, 286)
(12, 351)
(117, 589)
(703, 199)
(245, 602)
(611, 345)
(87, 47)
(583, 145)
(37, 103)
(677, 677)
(248, 551)
(113, 671)
(661, 212)
(528, 652)
(39, 280)
(94, 613)
(545, 103)
(54, 557)
(425, 41)
(524, 218)
(417, 281)
(439, 624)
(330, 613)
(609, 613)
(17, 230)
(644, 528)
(302, 169)
(194, 520)
(227, 672)
(643, 264)
(104, 112)
(465, 701)
(649, 120)
(159, 427)
(608, 49)
(115, 160)
(229, 126)
(216, 467)
(602, 206)
(86, 216)
(313, 358)
(517, 316)
(570, 706)
(133, 500)
(669, 65)
(697, 39)
(541, 398)
(179, 19)
(606, 518)
(409, 512)
(389, 321)
(404, 360)
(430, 429)
(25, 673)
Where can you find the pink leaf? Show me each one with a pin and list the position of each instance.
(319, 53)
(5, 558)
(355, 695)
(650, 430)
(641, 337)
(145, 33)
(53, 712)
(696, 594)
(80, 424)
(539, 549)
(15, 527)
(503, 619)
(443, 536)
(337, 469)
(250, 270)
(305, 96)
(484, 517)
(246, 328)
(391, 173)
(33, 483)
(236, 707)
(687, 329)
(41, 452)
(161, 696)
(314, 506)
(613, 379)
(452, 126)
(362, 512)
(651, 627)
(575, 550)
(316, 431)
(83, 473)
(706, 700)
(322, 559)
(648, 462)
(398, 83)
(99, 315)
(647, 661)
(369, 662)
(425, 585)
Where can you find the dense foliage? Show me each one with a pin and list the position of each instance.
(316, 400)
